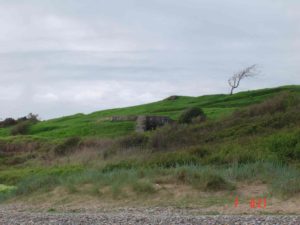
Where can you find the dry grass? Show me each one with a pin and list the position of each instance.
(167, 195)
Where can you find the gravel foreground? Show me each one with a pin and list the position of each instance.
(137, 218)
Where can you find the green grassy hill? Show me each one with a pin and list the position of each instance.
(98, 124)
(249, 137)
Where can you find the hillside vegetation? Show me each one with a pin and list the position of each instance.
(98, 124)
(248, 137)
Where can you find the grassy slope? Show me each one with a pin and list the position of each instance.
(98, 125)
(258, 144)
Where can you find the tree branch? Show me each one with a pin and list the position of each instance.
(235, 80)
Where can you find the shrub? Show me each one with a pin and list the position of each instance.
(215, 182)
(33, 117)
(134, 140)
(192, 114)
(21, 119)
(67, 146)
(8, 122)
(165, 137)
(11, 122)
(143, 187)
(208, 181)
(21, 128)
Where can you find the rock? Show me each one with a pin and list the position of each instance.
(146, 123)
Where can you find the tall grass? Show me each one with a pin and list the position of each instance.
(282, 180)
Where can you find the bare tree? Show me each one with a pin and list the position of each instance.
(235, 80)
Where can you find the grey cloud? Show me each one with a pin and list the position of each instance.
(63, 57)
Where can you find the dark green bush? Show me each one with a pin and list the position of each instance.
(21, 128)
(31, 118)
(8, 122)
(190, 114)
(214, 182)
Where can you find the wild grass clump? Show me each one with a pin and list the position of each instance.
(133, 141)
(229, 153)
(283, 180)
(172, 160)
(18, 159)
(13, 176)
(285, 145)
(143, 187)
(37, 183)
(287, 186)
(6, 189)
(200, 151)
(203, 178)
(67, 146)
(6, 192)
(212, 182)
(21, 128)
(124, 164)
(98, 143)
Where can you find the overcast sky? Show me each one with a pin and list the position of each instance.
(60, 57)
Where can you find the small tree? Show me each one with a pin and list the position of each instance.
(32, 117)
(235, 80)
